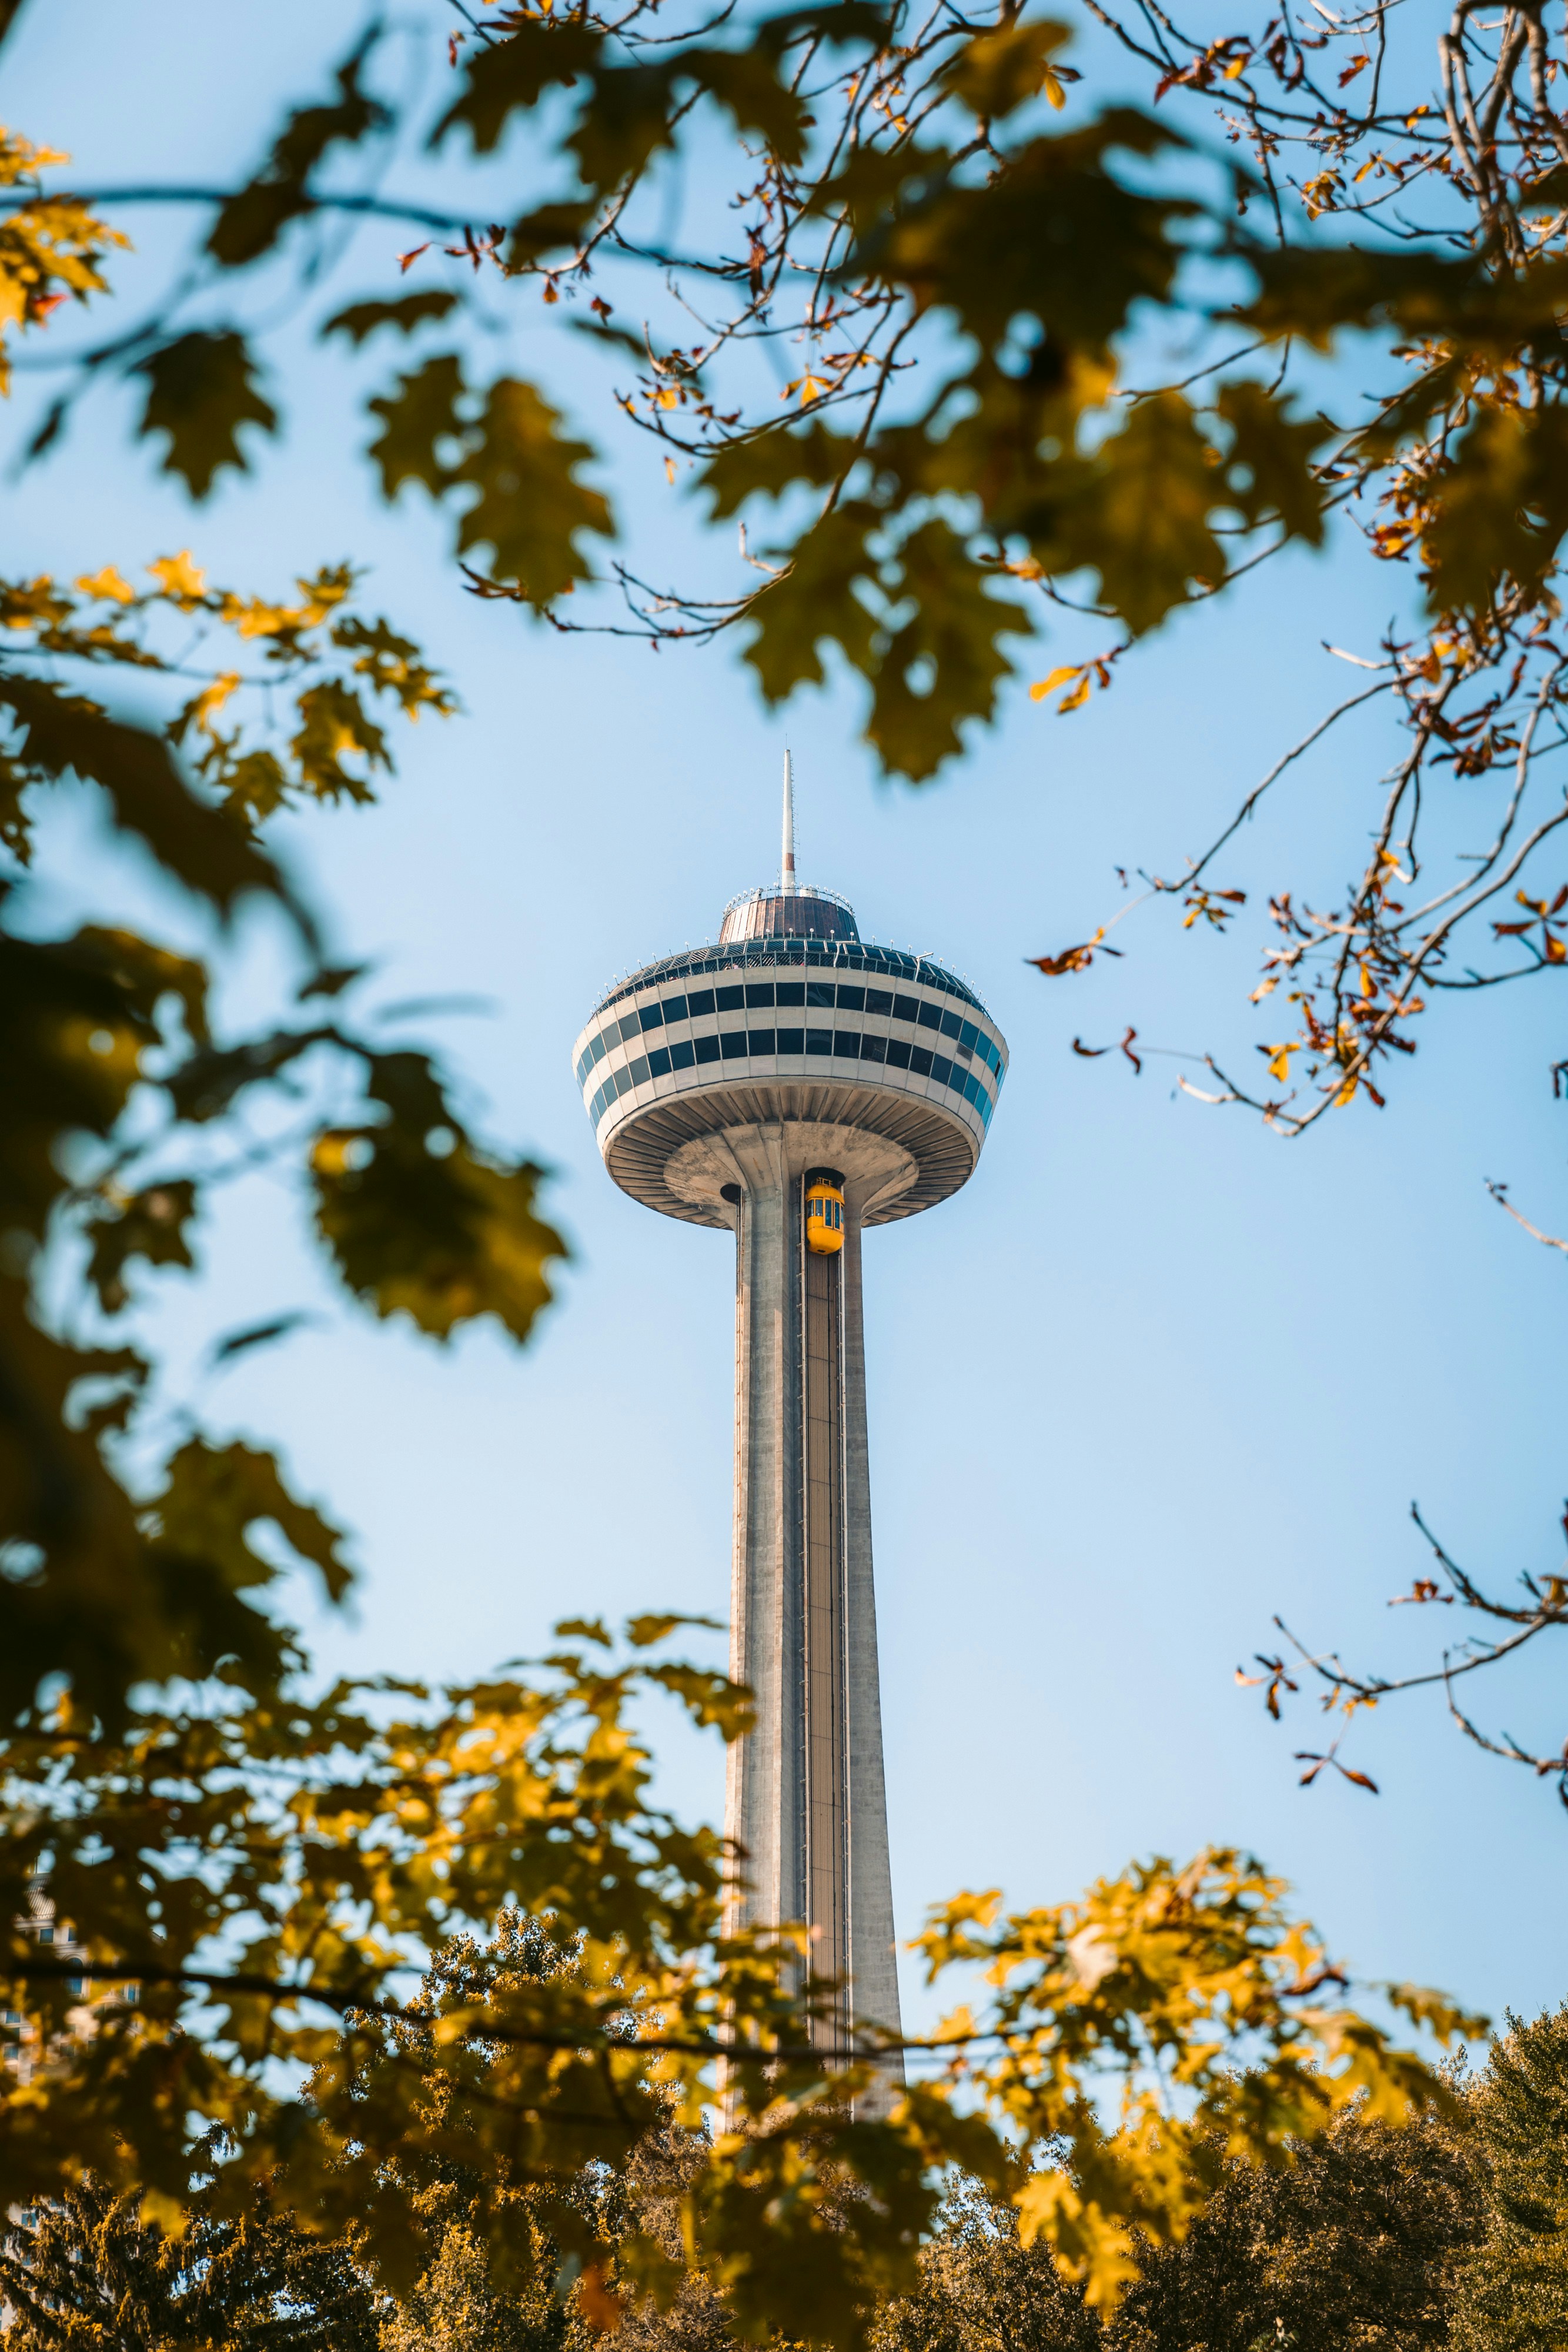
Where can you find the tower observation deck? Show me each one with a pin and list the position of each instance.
(726, 1085)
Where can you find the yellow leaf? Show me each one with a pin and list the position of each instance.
(1346, 1093)
(212, 699)
(107, 584)
(1058, 678)
(1052, 88)
(1079, 694)
(167, 2213)
(669, 470)
(1280, 1060)
(180, 579)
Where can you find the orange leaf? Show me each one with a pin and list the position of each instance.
(599, 2304)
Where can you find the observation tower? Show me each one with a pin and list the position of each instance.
(797, 1086)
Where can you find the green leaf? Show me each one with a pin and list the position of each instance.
(771, 464)
(954, 633)
(1056, 237)
(406, 312)
(1275, 450)
(420, 414)
(200, 845)
(442, 1236)
(391, 664)
(541, 54)
(626, 121)
(332, 723)
(994, 73)
(1136, 513)
(548, 229)
(751, 88)
(531, 511)
(214, 1496)
(422, 1222)
(1499, 509)
(149, 1224)
(816, 603)
(251, 221)
(1315, 291)
(201, 389)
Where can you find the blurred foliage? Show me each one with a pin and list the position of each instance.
(85, 2270)
(1515, 2293)
(952, 254)
(253, 1868)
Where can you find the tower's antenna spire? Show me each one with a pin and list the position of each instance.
(787, 868)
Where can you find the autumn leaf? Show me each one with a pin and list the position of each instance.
(201, 391)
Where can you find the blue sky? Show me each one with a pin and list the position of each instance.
(1153, 1376)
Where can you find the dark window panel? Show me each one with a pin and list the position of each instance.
(879, 1000)
(791, 1041)
(707, 1048)
(760, 1041)
(674, 1008)
(659, 1062)
(758, 992)
(968, 1035)
(629, 1027)
(818, 991)
(652, 1016)
(600, 1047)
(699, 1000)
(930, 1016)
(846, 1045)
(637, 1070)
(964, 1053)
(818, 1041)
(584, 1063)
(873, 1049)
(851, 1000)
(920, 1060)
(731, 1000)
(681, 1056)
(898, 1052)
(791, 991)
(941, 1068)
(906, 1008)
(950, 1025)
(732, 1044)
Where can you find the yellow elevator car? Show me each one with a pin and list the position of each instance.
(824, 1212)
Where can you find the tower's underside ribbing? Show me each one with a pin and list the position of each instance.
(715, 1081)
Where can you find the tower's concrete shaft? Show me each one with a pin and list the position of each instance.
(716, 1081)
(805, 1798)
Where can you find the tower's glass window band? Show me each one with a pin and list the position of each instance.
(843, 1044)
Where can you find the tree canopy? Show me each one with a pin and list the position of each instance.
(255, 1868)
